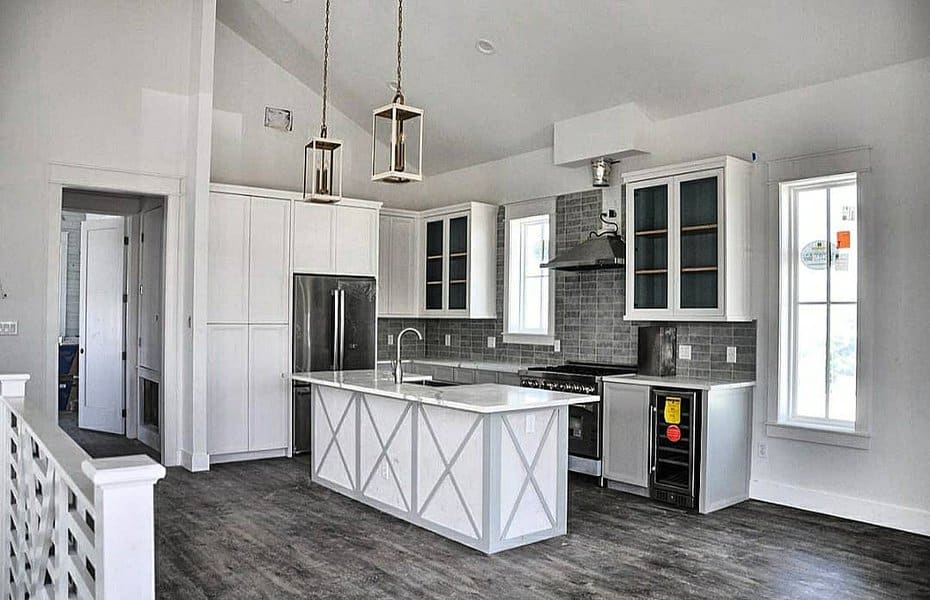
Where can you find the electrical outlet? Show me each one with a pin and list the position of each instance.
(557, 346)
(530, 423)
(9, 328)
(763, 450)
(492, 341)
(390, 339)
(684, 351)
(448, 340)
(385, 471)
(731, 354)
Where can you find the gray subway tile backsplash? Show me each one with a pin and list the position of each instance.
(589, 322)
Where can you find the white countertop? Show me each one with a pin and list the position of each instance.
(677, 381)
(500, 367)
(480, 398)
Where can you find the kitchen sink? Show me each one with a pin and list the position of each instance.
(432, 383)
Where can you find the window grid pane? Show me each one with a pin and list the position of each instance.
(529, 283)
(824, 305)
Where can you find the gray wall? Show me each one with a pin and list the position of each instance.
(589, 309)
(71, 223)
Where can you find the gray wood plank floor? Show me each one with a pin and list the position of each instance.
(263, 530)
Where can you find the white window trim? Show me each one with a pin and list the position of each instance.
(778, 425)
(520, 210)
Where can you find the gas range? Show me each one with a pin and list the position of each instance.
(577, 377)
(584, 420)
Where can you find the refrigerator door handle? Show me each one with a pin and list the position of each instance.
(336, 328)
(342, 329)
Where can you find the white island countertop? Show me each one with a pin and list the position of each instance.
(480, 398)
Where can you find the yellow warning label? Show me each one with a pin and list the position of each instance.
(672, 410)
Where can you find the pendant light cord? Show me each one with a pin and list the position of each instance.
(400, 35)
(325, 67)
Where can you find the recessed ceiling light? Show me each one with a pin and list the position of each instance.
(485, 46)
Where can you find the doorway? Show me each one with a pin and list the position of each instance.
(111, 385)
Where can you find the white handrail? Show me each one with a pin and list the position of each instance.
(70, 524)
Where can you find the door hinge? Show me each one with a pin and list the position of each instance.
(125, 298)
(125, 240)
(141, 238)
(124, 355)
(124, 413)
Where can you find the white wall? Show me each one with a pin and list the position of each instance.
(97, 83)
(245, 152)
(887, 110)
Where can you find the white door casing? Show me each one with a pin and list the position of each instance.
(101, 369)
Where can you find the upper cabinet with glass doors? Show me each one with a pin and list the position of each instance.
(459, 261)
(687, 241)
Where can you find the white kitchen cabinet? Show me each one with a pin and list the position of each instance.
(269, 249)
(314, 238)
(398, 268)
(227, 388)
(248, 259)
(687, 249)
(228, 259)
(626, 435)
(336, 239)
(356, 241)
(459, 250)
(268, 389)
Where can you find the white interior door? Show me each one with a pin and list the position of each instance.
(150, 292)
(101, 370)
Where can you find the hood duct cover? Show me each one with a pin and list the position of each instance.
(606, 251)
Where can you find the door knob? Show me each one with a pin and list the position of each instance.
(82, 350)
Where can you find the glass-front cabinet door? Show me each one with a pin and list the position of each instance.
(649, 211)
(435, 244)
(458, 263)
(699, 252)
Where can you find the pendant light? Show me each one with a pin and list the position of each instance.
(397, 131)
(322, 155)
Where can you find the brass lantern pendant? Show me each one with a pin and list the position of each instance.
(397, 132)
(323, 156)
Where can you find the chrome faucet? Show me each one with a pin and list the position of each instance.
(398, 368)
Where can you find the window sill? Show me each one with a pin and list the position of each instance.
(818, 434)
(529, 339)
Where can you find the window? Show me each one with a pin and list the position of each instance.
(528, 304)
(819, 302)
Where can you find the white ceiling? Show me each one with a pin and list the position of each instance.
(560, 58)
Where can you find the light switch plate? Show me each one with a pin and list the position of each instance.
(731, 354)
(9, 328)
(492, 341)
(684, 351)
(557, 345)
(763, 450)
(448, 340)
(390, 339)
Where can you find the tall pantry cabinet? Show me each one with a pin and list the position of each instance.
(248, 295)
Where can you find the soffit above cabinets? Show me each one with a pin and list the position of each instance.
(613, 133)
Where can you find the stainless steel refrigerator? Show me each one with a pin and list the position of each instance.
(334, 330)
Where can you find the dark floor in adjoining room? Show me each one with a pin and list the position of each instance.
(101, 445)
(263, 530)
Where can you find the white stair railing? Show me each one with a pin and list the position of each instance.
(70, 526)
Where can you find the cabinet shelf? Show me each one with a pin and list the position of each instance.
(652, 232)
(699, 228)
(698, 269)
(455, 254)
(651, 271)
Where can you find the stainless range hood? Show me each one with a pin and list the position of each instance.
(605, 251)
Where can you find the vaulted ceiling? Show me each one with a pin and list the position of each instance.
(556, 59)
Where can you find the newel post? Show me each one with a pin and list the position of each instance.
(124, 532)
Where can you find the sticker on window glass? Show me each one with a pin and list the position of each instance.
(672, 410)
(814, 254)
(849, 213)
(842, 239)
(841, 262)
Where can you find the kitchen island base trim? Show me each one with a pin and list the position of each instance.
(490, 481)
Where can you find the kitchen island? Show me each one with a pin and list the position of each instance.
(485, 465)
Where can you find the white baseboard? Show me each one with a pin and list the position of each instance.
(838, 505)
(194, 462)
(216, 459)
